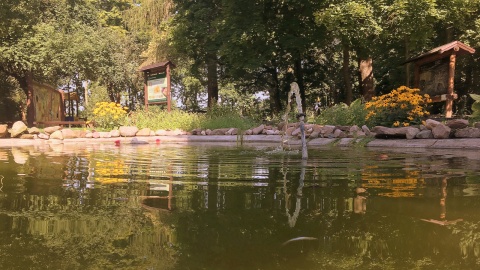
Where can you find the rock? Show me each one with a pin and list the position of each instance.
(57, 135)
(144, 132)
(17, 129)
(43, 136)
(128, 131)
(203, 133)
(422, 128)
(3, 131)
(27, 136)
(152, 133)
(441, 132)
(137, 141)
(430, 124)
(105, 134)
(468, 132)
(220, 131)
(115, 133)
(79, 133)
(232, 131)
(281, 125)
(197, 131)
(399, 132)
(270, 132)
(208, 132)
(366, 130)
(476, 125)
(89, 135)
(314, 134)
(258, 130)
(33, 130)
(411, 132)
(457, 123)
(296, 132)
(289, 131)
(68, 133)
(50, 130)
(424, 134)
(96, 135)
(248, 132)
(338, 133)
(343, 128)
(327, 130)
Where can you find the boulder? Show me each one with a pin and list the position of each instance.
(327, 130)
(424, 134)
(57, 135)
(208, 132)
(68, 133)
(476, 125)
(3, 131)
(105, 134)
(17, 129)
(152, 133)
(457, 123)
(96, 135)
(314, 134)
(289, 131)
(441, 132)
(203, 133)
(50, 130)
(43, 136)
(197, 131)
(144, 132)
(248, 132)
(89, 135)
(281, 125)
(366, 130)
(232, 131)
(128, 131)
(468, 132)
(399, 132)
(296, 132)
(258, 130)
(430, 123)
(220, 131)
(115, 133)
(338, 133)
(27, 136)
(33, 130)
(79, 133)
(270, 132)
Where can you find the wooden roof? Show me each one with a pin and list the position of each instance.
(444, 50)
(157, 66)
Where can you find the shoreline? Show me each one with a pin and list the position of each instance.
(463, 143)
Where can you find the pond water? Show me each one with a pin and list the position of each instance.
(215, 206)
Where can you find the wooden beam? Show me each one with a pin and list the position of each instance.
(450, 90)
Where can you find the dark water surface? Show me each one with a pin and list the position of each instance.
(230, 207)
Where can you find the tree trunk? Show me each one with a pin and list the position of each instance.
(274, 92)
(346, 75)
(25, 82)
(407, 65)
(212, 79)
(366, 78)
(300, 82)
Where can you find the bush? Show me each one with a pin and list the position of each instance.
(475, 107)
(343, 115)
(108, 115)
(156, 118)
(401, 107)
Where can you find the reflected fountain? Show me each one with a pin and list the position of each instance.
(295, 90)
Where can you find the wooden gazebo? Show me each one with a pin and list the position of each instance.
(435, 71)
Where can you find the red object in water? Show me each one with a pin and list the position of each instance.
(157, 141)
(117, 143)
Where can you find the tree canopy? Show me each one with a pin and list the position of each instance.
(229, 51)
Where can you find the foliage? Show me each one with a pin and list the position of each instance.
(401, 107)
(224, 117)
(475, 107)
(155, 118)
(108, 114)
(342, 114)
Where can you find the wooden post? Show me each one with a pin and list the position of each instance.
(145, 89)
(416, 71)
(30, 99)
(450, 93)
(168, 88)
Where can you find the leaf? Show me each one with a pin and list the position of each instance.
(475, 97)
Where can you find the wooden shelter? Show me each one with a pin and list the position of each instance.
(157, 84)
(435, 71)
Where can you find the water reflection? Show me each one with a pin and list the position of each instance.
(204, 207)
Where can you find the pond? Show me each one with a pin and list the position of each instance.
(214, 206)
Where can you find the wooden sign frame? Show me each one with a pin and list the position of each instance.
(157, 82)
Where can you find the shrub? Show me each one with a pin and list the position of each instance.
(475, 107)
(344, 115)
(108, 115)
(155, 118)
(401, 107)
